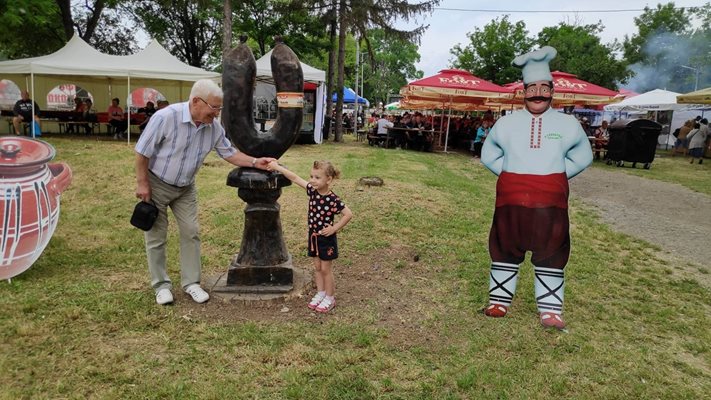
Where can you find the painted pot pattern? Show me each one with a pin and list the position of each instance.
(30, 191)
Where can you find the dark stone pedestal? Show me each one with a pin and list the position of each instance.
(263, 264)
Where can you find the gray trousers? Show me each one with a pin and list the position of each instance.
(183, 202)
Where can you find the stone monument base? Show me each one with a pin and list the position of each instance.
(253, 295)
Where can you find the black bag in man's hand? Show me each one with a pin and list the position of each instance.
(144, 215)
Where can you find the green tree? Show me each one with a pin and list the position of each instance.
(262, 20)
(112, 35)
(491, 50)
(39, 27)
(581, 53)
(700, 39)
(23, 23)
(392, 65)
(663, 19)
(668, 51)
(190, 30)
(359, 16)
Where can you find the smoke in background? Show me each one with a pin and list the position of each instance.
(665, 53)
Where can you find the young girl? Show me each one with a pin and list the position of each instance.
(323, 245)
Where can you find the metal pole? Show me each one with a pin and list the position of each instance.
(32, 117)
(128, 108)
(449, 120)
(362, 77)
(696, 71)
(355, 116)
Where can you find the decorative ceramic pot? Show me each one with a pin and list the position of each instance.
(29, 201)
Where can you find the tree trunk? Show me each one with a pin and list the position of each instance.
(93, 21)
(343, 28)
(65, 9)
(227, 39)
(331, 67)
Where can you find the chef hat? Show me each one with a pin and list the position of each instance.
(535, 64)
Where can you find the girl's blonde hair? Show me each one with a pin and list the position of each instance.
(328, 168)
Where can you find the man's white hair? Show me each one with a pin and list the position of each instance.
(205, 88)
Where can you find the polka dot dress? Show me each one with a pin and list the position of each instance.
(322, 208)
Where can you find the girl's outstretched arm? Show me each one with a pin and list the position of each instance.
(275, 166)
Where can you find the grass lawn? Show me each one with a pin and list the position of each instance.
(83, 323)
(671, 169)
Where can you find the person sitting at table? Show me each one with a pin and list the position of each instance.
(398, 136)
(147, 111)
(602, 136)
(481, 135)
(383, 124)
(116, 119)
(373, 121)
(23, 112)
(421, 139)
(406, 120)
(78, 114)
(89, 115)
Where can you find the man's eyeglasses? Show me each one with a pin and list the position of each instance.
(542, 89)
(213, 108)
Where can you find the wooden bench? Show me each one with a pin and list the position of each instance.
(361, 134)
(380, 140)
(103, 119)
(76, 125)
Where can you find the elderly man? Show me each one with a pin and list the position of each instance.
(23, 111)
(168, 155)
(534, 152)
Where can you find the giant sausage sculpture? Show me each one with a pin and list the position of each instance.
(238, 79)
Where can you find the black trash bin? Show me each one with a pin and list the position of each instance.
(633, 140)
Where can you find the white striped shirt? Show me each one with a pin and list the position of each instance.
(176, 147)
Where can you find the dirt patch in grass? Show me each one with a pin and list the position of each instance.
(374, 290)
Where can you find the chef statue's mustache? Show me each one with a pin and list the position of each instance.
(538, 98)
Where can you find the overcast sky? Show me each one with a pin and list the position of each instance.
(449, 24)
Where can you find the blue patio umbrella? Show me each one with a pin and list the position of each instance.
(349, 97)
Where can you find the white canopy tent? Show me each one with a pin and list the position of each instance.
(104, 76)
(659, 100)
(655, 100)
(264, 71)
(265, 87)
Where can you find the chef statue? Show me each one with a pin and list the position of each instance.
(534, 152)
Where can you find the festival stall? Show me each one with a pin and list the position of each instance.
(662, 106)
(105, 76)
(349, 97)
(314, 98)
(702, 96)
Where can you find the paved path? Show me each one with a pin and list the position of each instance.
(666, 214)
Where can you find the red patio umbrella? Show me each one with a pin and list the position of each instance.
(454, 89)
(570, 90)
(454, 83)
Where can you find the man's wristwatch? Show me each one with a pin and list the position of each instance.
(254, 162)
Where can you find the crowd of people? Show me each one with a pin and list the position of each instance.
(417, 131)
(692, 139)
(83, 116)
(408, 131)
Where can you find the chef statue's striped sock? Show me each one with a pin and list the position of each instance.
(502, 287)
(549, 286)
